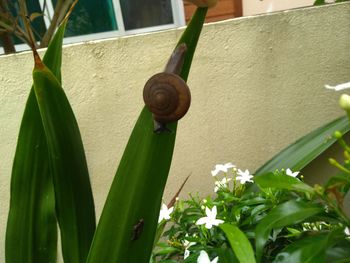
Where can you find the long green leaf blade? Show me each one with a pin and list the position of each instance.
(239, 243)
(299, 154)
(128, 223)
(32, 203)
(281, 181)
(285, 214)
(74, 201)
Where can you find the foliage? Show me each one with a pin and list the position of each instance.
(14, 16)
(142, 179)
(286, 220)
(323, 2)
(300, 153)
(50, 185)
(50, 182)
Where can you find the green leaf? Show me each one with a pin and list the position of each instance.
(340, 253)
(281, 181)
(32, 202)
(138, 186)
(225, 255)
(190, 38)
(239, 243)
(319, 2)
(166, 251)
(311, 249)
(299, 154)
(74, 201)
(289, 213)
(322, 2)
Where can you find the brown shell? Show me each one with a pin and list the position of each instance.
(167, 96)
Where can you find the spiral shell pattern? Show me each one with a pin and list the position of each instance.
(167, 96)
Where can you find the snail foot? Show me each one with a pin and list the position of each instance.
(160, 127)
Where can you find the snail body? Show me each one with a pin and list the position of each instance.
(167, 96)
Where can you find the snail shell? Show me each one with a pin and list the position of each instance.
(167, 96)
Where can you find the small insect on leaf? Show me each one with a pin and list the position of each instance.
(137, 230)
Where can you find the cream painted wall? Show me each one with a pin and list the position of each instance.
(257, 85)
(252, 7)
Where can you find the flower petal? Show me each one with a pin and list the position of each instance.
(208, 224)
(214, 211)
(217, 222)
(215, 260)
(186, 254)
(214, 172)
(207, 211)
(201, 221)
(203, 257)
(289, 172)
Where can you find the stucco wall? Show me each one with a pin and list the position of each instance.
(251, 7)
(257, 85)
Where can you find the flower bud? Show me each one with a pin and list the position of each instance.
(344, 102)
(332, 161)
(203, 3)
(337, 135)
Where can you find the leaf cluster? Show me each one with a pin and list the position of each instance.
(282, 220)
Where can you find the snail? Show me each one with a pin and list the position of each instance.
(167, 96)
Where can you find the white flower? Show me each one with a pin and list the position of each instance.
(339, 86)
(221, 184)
(187, 244)
(347, 231)
(290, 173)
(165, 213)
(244, 176)
(204, 258)
(209, 220)
(222, 168)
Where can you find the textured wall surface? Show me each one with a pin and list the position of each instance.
(251, 7)
(257, 85)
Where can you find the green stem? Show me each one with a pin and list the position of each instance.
(338, 165)
(53, 24)
(339, 136)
